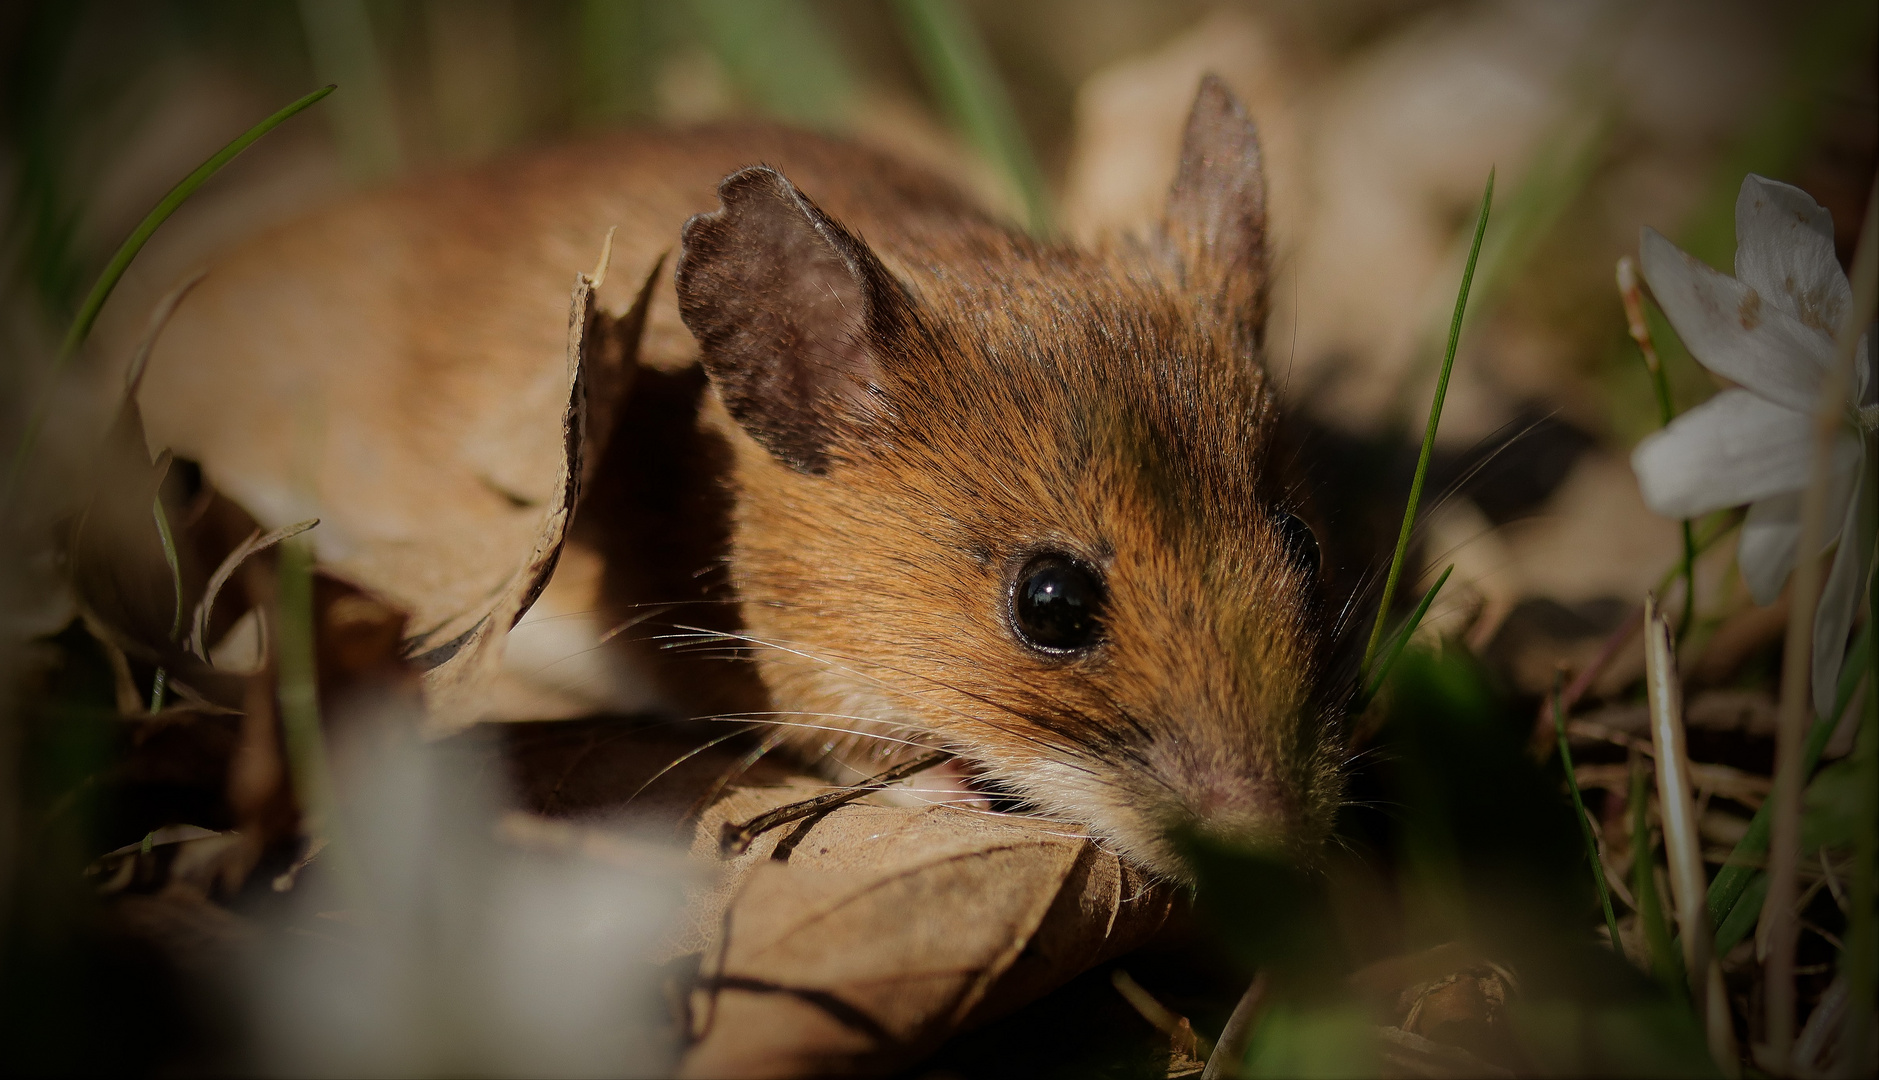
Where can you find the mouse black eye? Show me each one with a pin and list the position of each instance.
(1056, 604)
(1300, 542)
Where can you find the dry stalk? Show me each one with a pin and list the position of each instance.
(1797, 656)
(1683, 848)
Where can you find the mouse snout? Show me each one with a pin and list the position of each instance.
(1240, 809)
(1233, 797)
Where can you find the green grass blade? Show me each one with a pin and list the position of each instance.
(120, 262)
(1585, 826)
(1400, 639)
(1726, 889)
(781, 56)
(960, 71)
(343, 45)
(1428, 437)
(1742, 917)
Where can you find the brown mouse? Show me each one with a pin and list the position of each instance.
(982, 492)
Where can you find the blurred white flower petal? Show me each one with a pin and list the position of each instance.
(1765, 551)
(1770, 329)
(1784, 251)
(1732, 330)
(1732, 449)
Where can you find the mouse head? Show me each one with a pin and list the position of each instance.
(1022, 502)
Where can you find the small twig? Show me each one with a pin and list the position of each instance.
(1798, 653)
(1230, 1052)
(1177, 1028)
(734, 839)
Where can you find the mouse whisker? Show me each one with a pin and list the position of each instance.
(743, 765)
(683, 758)
(841, 669)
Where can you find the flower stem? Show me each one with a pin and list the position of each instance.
(1798, 652)
(1633, 299)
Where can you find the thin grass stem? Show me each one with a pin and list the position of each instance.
(120, 262)
(1428, 437)
(1585, 825)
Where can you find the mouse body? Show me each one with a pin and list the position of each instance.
(897, 476)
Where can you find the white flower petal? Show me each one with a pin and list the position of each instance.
(1772, 530)
(1784, 251)
(1734, 448)
(1765, 551)
(1840, 598)
(1732, 330)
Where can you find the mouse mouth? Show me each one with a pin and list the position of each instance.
(960, 781)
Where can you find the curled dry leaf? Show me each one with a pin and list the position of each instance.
(857, 941)
(441, 488)
(462, 658)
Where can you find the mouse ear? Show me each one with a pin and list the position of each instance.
(1215, 226)
(785, 303)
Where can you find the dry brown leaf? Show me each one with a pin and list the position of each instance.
(857, 941)
(462, 657)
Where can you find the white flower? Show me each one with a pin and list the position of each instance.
(1770, 330)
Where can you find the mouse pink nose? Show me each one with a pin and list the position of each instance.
(1239, 804)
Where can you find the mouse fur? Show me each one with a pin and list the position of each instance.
(863, 406)
(906, 438)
